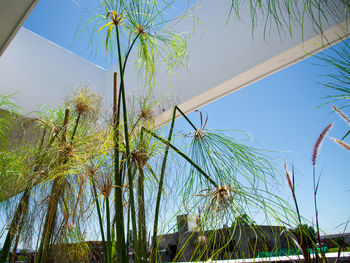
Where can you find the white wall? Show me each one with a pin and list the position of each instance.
(43, 73)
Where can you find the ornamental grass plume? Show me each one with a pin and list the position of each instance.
(319, 142)
(342, 114)
(289, 180)
(341, 143)
(316, 182)
(86, 103)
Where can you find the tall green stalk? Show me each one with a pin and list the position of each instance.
(100, 220)
(183, 155)
(20, 212)
(57, 191)
(22, 207)
(19, 231)
(141, 217)
(109, 255)
(154, 250)
(118, 192)
(133, 217)
(121, 251)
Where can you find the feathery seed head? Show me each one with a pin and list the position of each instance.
(139, 157)
(146, 114)
(86, 101)
(66, 150)
(92, 170)
(115, 18)
(318, 143)
(105, 185)
(140, 30)
(221, 197)
(342, 114)
(341, 143)
(199, 134)
(289, 180)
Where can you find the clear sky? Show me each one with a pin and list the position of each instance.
(280, 112)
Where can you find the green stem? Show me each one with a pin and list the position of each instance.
(21, 224)
(316, 213)
(20, 211)
(154, 251)
(183, 156)
(109, 239)
(127, 229)
(118, 181)
(75, 127)
(187, 119)
(141, 217)
(295, 198)
(100, 220)
(56, 193)
(123, 254)
(125, 118)
(128, 53)
(50, 222)
(133, 217)
(21, 208)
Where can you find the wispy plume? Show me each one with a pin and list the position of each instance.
(345, 145)
(342, 114)
(289, 180)
(319, 142)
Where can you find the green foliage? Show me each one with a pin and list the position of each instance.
(142, 26)
(285, 14)
(78, 164)
(11, 168)
(244, 220)
(337, 60)
(336, 249)
(340, 242)
(307, 235)
(8, 109)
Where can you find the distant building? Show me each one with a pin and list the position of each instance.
(244, 241)
(330, 240)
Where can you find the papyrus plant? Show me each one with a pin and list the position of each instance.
(49, 175)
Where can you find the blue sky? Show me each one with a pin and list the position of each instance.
(280, 112)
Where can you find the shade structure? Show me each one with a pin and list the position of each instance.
(12, 15)
(225, 55)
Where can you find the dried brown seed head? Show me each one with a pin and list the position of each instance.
(105, 185)
(92, 170)
(147, 114)
(199, 134)
(221, 197)
(139, 157)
